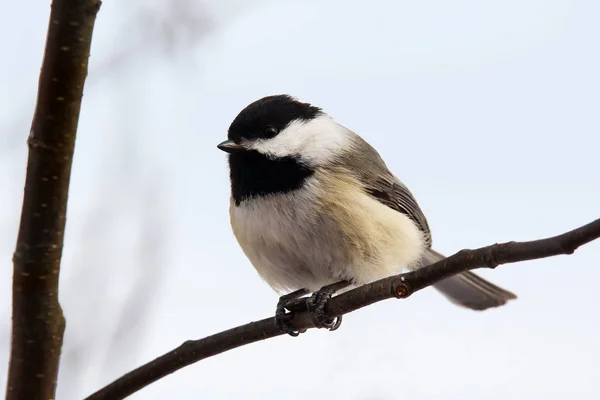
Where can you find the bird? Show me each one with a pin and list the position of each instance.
(316, 211)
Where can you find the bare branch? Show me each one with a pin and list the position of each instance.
(399, 286)
(37, 322)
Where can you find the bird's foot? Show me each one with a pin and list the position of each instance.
(317, 302)
(283, 319)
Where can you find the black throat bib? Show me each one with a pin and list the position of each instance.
(254, 174)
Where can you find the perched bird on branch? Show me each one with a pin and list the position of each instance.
(316, 210)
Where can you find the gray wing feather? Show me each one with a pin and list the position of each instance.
(384, 186)
(466, 289)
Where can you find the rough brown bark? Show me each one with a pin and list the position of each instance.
(399, 286)
(37, 319)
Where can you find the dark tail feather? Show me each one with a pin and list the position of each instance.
(467, 289)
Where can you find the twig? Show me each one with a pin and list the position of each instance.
(399, 286)
(37, 320)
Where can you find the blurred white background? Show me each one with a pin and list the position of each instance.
(497, 103)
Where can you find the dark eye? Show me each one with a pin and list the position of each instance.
(270, 131)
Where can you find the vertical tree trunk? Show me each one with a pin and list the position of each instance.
(37, 319)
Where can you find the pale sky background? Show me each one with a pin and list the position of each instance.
(488, 111)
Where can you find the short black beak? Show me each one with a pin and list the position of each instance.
(229, 146)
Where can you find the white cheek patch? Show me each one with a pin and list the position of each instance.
(315, 141)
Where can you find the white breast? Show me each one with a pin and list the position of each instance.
(312, 237)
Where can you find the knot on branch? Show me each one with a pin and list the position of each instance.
(491, 256)
(401, 290)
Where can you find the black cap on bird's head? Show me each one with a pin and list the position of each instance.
(265, 118)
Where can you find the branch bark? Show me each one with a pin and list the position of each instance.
(37, 319)
(399, 286)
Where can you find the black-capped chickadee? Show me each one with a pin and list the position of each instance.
(315, 209)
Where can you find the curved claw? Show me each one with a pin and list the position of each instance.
(283, 323)
(331, 324)
(336, 323)
(317, 302)
(283, 320)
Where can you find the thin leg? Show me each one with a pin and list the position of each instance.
(282, 319)
(317, 302)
